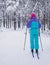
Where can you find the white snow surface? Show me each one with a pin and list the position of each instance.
(12, 52)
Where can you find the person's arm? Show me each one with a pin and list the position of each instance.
(39, 25)
(28, 24)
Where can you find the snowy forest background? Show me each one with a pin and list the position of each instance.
(15, 13)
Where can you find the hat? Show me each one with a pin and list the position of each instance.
(32, 15)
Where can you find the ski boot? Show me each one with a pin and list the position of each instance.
(37, 53)
(32, 52)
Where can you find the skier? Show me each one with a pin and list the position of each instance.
(34, 26)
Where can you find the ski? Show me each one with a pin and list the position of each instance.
(38, 56)
(33, 55)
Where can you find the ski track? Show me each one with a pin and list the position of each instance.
(12, 52)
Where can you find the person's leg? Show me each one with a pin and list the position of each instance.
(36, 45)
(32, 51)
(37, 51)
(36, 42)
(31, 41)
(32, 44)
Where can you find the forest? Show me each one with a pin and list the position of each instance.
(15, 13)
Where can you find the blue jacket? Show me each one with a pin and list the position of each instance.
(33, 20)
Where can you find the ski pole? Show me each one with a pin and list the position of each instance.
(25, 39)
(41, 43)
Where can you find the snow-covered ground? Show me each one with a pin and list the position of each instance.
(12, 52)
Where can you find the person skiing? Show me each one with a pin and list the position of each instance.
(34, 26)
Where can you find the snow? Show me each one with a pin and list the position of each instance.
(12, 8)
(12, 52)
